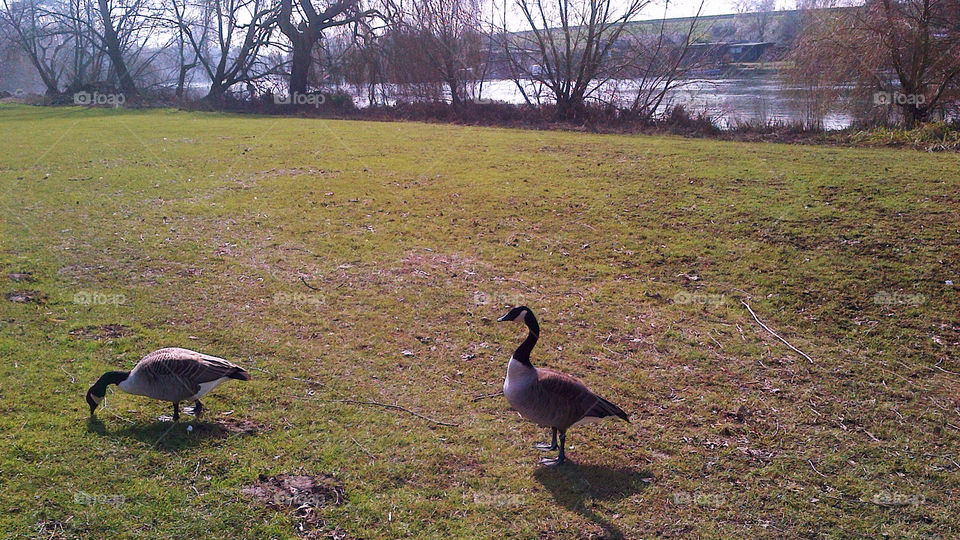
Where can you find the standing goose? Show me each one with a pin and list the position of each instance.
(170, 374)
(549, 398)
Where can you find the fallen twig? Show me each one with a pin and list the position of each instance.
(815, 469)
(389, 406)
(309, 286)
(495, 394)
(360, 446)
(72, 380)
(767, 328)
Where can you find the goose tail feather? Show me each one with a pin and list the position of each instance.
(239, 373)
(604, 408)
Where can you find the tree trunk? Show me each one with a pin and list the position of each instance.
(914, 115)
(182, 78)
(215, 94)
(300, 67)
(112, 43)
(454, 93)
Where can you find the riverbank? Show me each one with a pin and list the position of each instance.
(932, 137)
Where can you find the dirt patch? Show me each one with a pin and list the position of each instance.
(26, 297)
(106, 331)
(21, 277)
(303, 495)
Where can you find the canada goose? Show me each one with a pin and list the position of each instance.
(546, 397)
(170, 374)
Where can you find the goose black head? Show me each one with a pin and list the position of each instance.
(93, 400)
(99, 389)
(517, 314)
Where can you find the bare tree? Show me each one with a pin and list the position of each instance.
(38, 36)
(759, 15)
(365, 66)
(304, 24)
(908, 50)
(227, 37)
(661, 65)
(112, 40)
(449, 35)
(566, 46)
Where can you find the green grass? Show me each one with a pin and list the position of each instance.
(196, 229)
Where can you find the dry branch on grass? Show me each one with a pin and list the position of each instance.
(767, 328)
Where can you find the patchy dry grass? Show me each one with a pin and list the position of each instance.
(366, 261)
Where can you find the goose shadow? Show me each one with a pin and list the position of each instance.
(575, 486)
(167, 435)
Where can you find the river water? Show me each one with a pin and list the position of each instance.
(728, 100)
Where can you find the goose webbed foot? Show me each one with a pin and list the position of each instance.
(544, 447)
(562, 456)
(197, 408)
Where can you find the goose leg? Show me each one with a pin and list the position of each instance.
(547, 447)
(562, 457)
(176, 411)
(197, 408)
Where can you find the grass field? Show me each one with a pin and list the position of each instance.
(365, 261)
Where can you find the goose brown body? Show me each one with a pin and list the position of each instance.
(175, 374)
(551, 399)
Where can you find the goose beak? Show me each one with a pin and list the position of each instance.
(504, 318)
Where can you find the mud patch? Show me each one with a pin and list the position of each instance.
(106, 331)
(303, 495)
(26, 297)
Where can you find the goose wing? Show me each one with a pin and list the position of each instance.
(178, 373)
(564, 399)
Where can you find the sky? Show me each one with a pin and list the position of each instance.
(688, 8)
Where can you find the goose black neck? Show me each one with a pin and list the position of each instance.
(99, 388)
(522, 353)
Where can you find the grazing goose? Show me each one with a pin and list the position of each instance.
(549, 398)
(170, 374)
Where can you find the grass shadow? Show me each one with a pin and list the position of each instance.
(167, 435)
(574, 486)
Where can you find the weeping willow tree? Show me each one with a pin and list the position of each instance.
(884, 55)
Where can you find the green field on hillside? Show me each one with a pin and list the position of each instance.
(348, 264)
